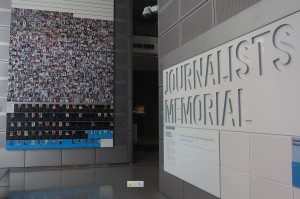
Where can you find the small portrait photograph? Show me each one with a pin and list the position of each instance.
(25, 133)
(46, 142)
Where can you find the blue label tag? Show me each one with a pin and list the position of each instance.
(296, 174)
(296, 162)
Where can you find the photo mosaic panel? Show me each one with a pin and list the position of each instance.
(60, 84)
(55, 57)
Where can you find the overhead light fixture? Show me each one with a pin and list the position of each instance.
(149, 10)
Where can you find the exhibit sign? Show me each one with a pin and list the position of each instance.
(193, 155)
(60, 76)
(249, 84)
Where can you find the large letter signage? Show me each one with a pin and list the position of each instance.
(249, 84)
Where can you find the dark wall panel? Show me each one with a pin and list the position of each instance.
(123, 78)
(4, 35)
(123, 2)
(228, 8)
(123, 51)
(118, 154)
(163, 3)
(2, 140)
(4, 52)
(6, 4)
(3, 104)
(123, 20)
(2, 123)
(3, 69)
(169, 41)
(161, 116)
(160, 72)
(4, 18)
(3, 88)
(121, 115)
(120, 138)
(170, 185)
(198, 22)
(168, 14)
(187, 6)
(192, 192)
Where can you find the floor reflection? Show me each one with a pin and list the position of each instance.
(103, 192)
(108, 182)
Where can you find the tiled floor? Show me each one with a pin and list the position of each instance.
(92, 182)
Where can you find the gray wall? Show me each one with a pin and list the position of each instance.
(191, 27)
(122, 150)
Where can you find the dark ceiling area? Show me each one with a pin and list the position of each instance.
(141, 25)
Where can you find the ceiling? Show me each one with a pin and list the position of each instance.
(144, 27)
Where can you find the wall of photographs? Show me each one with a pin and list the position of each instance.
(60, 84)
(51, 126)
(55, 57)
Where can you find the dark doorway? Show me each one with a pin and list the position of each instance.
(145, 116)
(145, 85)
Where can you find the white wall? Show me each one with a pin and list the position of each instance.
(254, 164)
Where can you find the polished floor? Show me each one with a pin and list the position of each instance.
(86, 182)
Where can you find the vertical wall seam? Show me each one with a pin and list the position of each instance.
(214, 13)
(250, 178)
